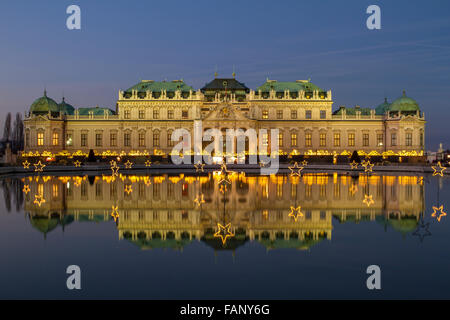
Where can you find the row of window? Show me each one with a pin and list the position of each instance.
(294, 141)
(294, 114)
(170, 114)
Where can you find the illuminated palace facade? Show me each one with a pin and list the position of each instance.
(162, 210)
(147, 114)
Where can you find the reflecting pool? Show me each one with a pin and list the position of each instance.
(246, 237)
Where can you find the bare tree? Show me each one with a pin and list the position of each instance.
(7, 128)
(17, 134)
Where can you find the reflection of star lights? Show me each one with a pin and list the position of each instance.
(147, 182)
(438, 170)
(39, 167)
(77, 164)
(26, 164)
(39, 199)
(115, 213)
(296, 170)
(422, 230)
(26, 189)
(442, 213)
(296, 213)
(128, 189)
(353, 189)
(115, 169)
(368, 200)
(224, 232)
(199, 167)
(199, 200)
(223, 188)
(148, 163)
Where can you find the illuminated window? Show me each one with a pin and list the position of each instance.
(55, 191)
(113, 139)
(365, 139)
(380, 139)
(279, 114)
(351, 139)
(84, 139)
(408, 139)
(155, 114)
(127, 139)
(323, 114)
(55, 138)
(308, 114)
(280, 139)
(337, 139)
(141, 139)
(308, 139)
(265, 139)
(393, 139)
(323, 139)
(169, 114)
(293, 114)
(170, 143)
(293, 139)
(98, 139)
(265, 114)
(127, 114)
(69, 139)
(40, 139)
(142, 114)
(279, 190)
(156, 139)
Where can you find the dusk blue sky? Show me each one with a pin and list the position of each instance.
(123, 42)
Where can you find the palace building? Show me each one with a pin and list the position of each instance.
(147, 114)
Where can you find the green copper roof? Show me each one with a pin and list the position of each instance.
(352, 111)
(44, 105)
(404, 104)
(97, 111)
(292, 86)
(66, 108)
(157, 86)
(382, 108)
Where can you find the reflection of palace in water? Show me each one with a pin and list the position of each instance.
(278, 211)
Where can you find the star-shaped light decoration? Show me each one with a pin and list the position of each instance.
(39, 167)
(199, 200)
(26, 189)
(422, 230)
(296, 170)
(115, 213)
(367, 166)
(128, 189)
(26, 164)
(368, 200)
(354, 165)
(148, 163)
(224, 233)
(304, 163)
(441, 214)
(39, 199)
(128, 164)
(295, 213)
(438, 170)
(262, 164)
(113, 163)
(77, 164)
(199, 167)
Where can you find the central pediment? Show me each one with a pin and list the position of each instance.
(226, 112)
